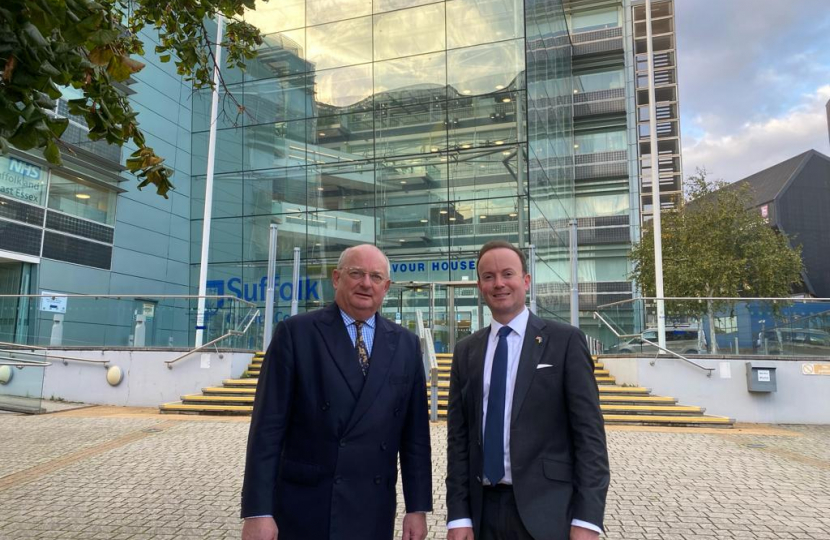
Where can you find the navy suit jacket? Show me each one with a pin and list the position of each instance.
(558, 453)
(324, 441)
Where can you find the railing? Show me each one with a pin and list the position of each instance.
(430, 364)
(254, 315)
(723, 326)
(66, 321)
(655, 345)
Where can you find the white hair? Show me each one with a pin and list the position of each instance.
(347, 250)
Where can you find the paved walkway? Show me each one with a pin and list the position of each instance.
(119, 474)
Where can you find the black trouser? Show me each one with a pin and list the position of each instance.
(500, 517)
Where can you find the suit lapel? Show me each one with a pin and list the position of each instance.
(532, 351)
(339, 344)
(475, 364)
(383, 351)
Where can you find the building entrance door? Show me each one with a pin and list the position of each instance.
(452, 310)
(14, 280)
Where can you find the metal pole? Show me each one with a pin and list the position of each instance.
(211, 159)
(574, 230)
(269, 291)
(532, 269)
(295, 279)
(520, 172)
(655, 187)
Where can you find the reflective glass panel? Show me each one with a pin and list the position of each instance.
(483, 121)
(228, 151)
(282, 144)
(472, 22)
(596, 19)
(389, 5)
(409, 31)
(411, 180)
(346, 137)
(324, 11)
(257, 232)
(485, 173)
(604, 141)
(339, 186)
(225, 240)
(331, 231)
(412, 230)
(275, 191)
(486, 68)
(81, 199)
(411, 81)
(279, 55)
(340, 44)
(275, 16)
(336, 90)
(602, 80)
(275, 100)
(419, 128)
(226, 190)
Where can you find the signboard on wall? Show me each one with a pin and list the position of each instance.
(22, 180)
(53, 304)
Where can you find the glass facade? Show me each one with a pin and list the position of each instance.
(425, 128)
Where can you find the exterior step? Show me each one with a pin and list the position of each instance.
(229, 391)
(652, 409)
(623, 399)
(193, 399)
(240, 382)
(210, 409)
(654, 420)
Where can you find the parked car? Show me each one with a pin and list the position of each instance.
(794, 341)
(682, 340)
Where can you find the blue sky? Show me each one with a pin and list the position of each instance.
(754, 78)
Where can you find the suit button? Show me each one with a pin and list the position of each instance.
(338, 479)
(377, 480)
(342, 444)
(383, 446)
(478, 479)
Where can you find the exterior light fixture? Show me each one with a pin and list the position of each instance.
(499, 87)
(506, 100)
(465, 146)
(82, 196)
(499, 143)
(403, 181)
(452, 218)
(482, 217)
(424, 221)
(512, 214)
(442, 212)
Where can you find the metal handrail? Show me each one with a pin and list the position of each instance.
(136, 296)
(701, 298)
(680, 356)
(22, 363)
(63, 358)
(212, 342)
(430, 361)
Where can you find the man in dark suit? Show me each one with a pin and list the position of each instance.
(527, 457)
(341, 395)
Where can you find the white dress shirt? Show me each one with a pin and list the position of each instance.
(514, 352)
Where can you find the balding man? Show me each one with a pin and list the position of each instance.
(341, 396)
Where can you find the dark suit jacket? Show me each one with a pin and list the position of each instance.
(558, 454)
(323, 444)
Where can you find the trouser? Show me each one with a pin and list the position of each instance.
(500, 518)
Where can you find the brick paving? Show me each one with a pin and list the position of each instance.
(119, 474)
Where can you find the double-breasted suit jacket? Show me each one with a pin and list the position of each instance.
(324, 440)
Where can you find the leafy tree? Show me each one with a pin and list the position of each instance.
(716, 245)
(89, 45)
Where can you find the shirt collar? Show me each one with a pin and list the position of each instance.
(518, 324)
(348, 319)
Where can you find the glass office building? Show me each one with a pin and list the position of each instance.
(425, 128)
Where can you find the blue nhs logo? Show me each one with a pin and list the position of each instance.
(24, 169)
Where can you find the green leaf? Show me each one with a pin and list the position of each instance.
(104, 36)
(57, 125)
(31, 34)
(164, 58)
(52, 153)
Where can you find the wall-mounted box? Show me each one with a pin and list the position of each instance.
(760, 378)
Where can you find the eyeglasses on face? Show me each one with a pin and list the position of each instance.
(357, 274)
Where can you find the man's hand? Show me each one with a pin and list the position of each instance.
(259, 528)
(581, 533)
(415, 526)
(461, 533)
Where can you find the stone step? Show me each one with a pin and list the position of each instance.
(655, 420)
(184, 408)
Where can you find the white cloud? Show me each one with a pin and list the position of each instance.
(746, 149)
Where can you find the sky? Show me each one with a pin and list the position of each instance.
(754, 78)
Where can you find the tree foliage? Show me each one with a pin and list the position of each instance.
(89, 45)
(716, 245)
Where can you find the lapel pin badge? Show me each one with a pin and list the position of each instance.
(538, 340)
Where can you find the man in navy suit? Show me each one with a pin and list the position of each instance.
(341, 396)
(526, 451)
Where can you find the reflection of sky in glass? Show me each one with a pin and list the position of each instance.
(324, 11)
(429, 69)
(344, 86)
(471, 22)
(409, 31)
(340, 44)
(277, 15)
(389, 5)
(486, 68)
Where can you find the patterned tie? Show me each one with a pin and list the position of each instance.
(360, 345)
(494, 425)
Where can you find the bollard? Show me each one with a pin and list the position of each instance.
(57, 330)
